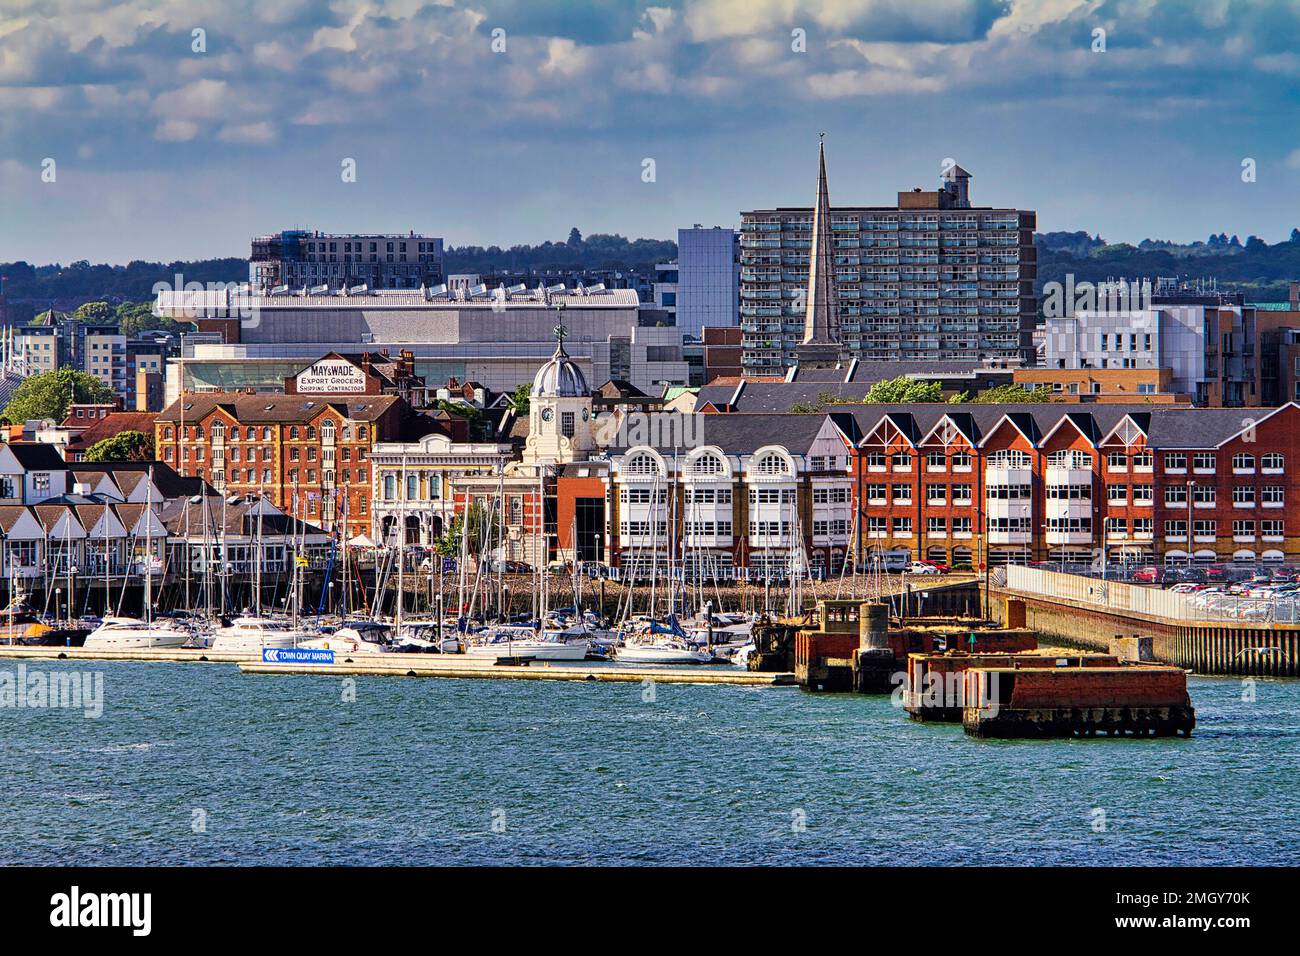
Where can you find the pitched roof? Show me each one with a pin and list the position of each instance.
(37, 456)
(276, 408)
(110, 425)
(742, 434)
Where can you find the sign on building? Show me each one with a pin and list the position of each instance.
(331, 375)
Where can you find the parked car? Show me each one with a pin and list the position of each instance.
(594, 569)
(921, 567)
(891, 562)
(938, 566)
(1147, 575)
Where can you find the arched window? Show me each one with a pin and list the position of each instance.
(167, 433)
(390, 487)
(266, 434)
(327, 430)
(218, 431)
(771, 464)
(642, 463)
(198, 432)
(412, 487)
(311, 431)
(293, 432)
(708, 463)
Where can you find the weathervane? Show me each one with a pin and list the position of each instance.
(560, 333)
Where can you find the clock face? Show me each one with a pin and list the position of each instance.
(547, 414)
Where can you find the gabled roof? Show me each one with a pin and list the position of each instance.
(1083, 423)
(37, 456)
(1139, 420)
(903, 422)
(961, 422)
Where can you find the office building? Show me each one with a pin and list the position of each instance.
(708, 279)
(302, 258)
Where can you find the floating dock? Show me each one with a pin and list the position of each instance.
(418, 665)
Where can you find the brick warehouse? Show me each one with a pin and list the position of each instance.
(309, 454)
(964, 485)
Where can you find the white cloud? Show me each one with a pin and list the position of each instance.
(565, 58)
(261, 132)
(176, 131)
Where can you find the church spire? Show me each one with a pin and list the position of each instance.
(822, 318)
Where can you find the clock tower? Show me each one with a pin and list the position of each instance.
(559, 411)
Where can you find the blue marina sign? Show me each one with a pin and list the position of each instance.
(296, 655)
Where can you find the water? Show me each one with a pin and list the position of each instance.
(417, 771)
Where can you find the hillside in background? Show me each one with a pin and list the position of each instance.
(1260, 270)
(1254, 267)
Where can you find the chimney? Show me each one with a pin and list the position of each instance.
(1295, 296)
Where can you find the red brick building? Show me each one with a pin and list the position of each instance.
(309, 454)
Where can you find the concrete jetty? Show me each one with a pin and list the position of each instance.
(450, 666)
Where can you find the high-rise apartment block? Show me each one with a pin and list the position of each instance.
(930, 278)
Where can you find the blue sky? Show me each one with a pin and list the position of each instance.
(162, 152)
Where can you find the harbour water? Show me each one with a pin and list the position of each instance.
(196, 764)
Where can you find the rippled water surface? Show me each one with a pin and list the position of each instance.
(418, 771)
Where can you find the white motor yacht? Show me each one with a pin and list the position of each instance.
(132, 633)
(357, 637)
(249, 634)
(662, 650)
(510, 641)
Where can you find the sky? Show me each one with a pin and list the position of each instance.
(178, 129)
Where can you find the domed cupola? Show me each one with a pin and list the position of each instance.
(560, 377)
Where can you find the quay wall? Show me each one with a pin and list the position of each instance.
(1206, 647)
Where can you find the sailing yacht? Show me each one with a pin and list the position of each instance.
(135, 633)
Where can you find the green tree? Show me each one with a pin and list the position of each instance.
(1012, 394)
(518, 399)
(124, 446)
(484, 528)
(49, 394)
(903, 391)
(134, 317)
(95, 313)
(805, 408)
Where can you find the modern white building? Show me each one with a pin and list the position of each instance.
(1184, 338)
(496, 337)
